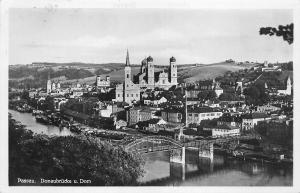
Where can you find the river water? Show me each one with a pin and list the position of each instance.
(31, 124)
(220, 171)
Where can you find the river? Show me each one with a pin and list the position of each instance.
(195, 172)
(221, 171)
(29, 121)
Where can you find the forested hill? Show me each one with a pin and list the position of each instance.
(36, 74)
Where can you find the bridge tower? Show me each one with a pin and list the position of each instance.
(207, 151)
(178, 155)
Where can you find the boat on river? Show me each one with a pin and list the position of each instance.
(43, 119)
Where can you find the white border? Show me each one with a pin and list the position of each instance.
(172, 4)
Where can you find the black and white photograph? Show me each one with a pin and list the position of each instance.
(149, 97)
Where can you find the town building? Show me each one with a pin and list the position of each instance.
(287, 90)
(230, 121)
(194, 89)
(152, 125)
(105, 82)
(58, 102)
(197, 114)
(119, 124)
(155, 100)
(139, 114)
(267, 108)
(147, 78)
(251, 120)
(172, 115)
(223, 130)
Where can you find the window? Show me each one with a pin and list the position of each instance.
(118, 95)
(163, 81)
(137, 95)
(179, 116)
(127, 75)
(127, 95)
(196, 115)
(212, 114)
(190, 115)
(131, 95)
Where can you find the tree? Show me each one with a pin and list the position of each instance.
(256, 95)
(287, 32)
(226, 96)
(69, 157)
(207, 95)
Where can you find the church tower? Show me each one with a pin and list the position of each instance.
(127, 71)
(150, 71)
(173, 71)
(49, 84)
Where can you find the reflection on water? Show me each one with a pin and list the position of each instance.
(31, 124)
(204, 172)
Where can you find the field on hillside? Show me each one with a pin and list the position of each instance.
(87, 73)
(192, 74)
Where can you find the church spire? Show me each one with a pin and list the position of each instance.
(127, 59)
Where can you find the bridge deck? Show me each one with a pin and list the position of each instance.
(204, 143)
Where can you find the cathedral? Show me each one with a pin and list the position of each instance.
(52, 86)
(147, 78)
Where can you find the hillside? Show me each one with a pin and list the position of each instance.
(192, 74)
(86, 73)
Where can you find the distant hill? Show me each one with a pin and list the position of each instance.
(87, 72)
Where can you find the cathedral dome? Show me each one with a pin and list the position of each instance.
(172, 59)
(150, 59)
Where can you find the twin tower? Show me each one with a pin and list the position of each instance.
(147, 78)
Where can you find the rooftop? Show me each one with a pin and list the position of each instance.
(255, 116)
(224, 127)
(202, 109)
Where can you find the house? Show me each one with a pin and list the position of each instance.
(190, 134)
(267, 108)
(172, 115)
(155, 101)
(230, 120)
(194, 89)
(77, 93)
(105, 111)
(137, 114)
(197, 114)
(58, 102)
(32, 94)
(250, 120)
(213, 103)
(223, 130)
(153, 125)
(120, 124)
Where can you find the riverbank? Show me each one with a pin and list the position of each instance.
(39, 157)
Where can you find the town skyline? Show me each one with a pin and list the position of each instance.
(107, 33)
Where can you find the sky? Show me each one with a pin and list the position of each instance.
(104, 35)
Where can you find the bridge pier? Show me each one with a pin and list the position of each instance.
(177, 170)
(177, 155)
(207, 151)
